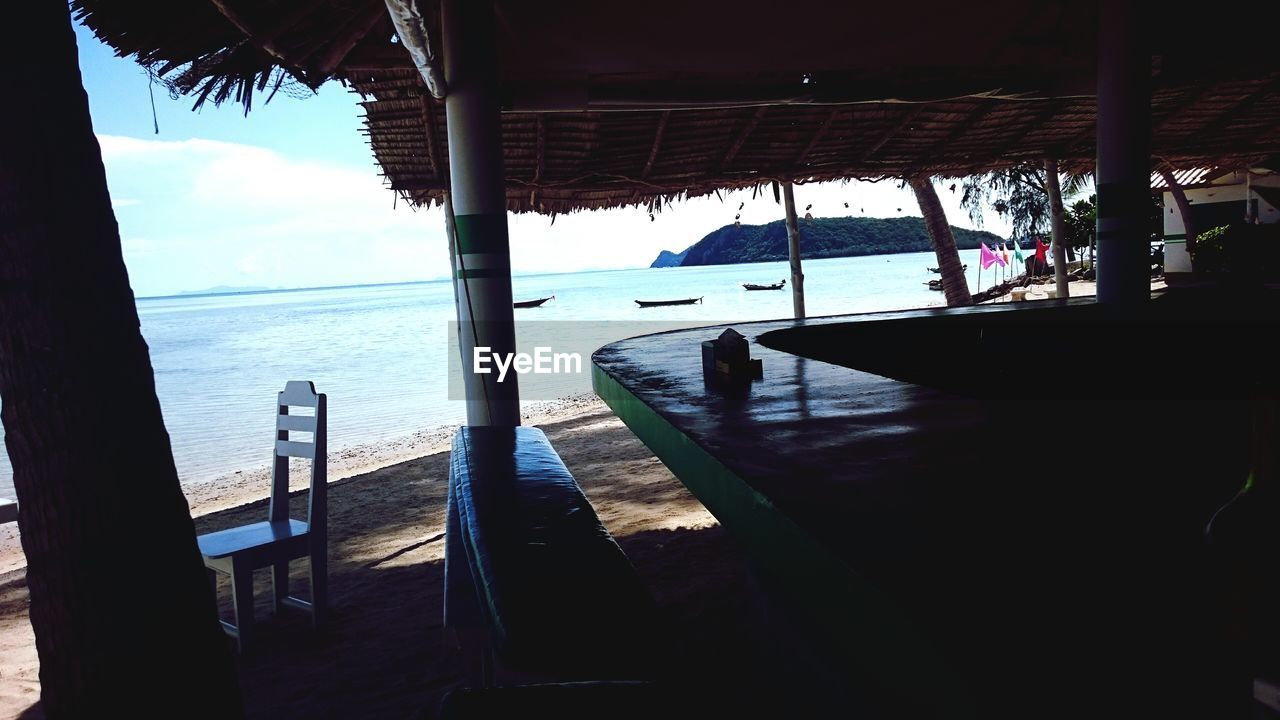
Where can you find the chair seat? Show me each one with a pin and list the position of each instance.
(249, 537)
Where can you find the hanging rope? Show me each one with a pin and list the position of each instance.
(151, 85)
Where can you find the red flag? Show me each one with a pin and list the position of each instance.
(1042, 251)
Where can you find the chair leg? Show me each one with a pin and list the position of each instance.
(280, 583)
(319, 585)
(242, 600)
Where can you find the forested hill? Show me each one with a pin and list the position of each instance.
(820, 238)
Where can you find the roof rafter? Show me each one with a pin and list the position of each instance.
(906, 120)
(977, 115)
(1234, 112)
(657, 144)
(433, 151)
(359, 26)
(1194, 96)
(817, 136)
(741, 137)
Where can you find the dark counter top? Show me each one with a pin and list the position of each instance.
(959, 527)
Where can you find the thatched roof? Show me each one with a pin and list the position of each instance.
(608, 107)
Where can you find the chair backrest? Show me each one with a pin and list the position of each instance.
(300, 394)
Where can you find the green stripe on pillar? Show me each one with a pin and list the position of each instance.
(485, 233)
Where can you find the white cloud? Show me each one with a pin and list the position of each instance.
(218, 213)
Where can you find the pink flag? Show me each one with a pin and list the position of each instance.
(989, 258)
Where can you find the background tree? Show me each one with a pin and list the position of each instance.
(1020, 195)
(123, 613)
(954, 284)
(1081, 222)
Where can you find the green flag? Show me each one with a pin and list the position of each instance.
(1017, 253)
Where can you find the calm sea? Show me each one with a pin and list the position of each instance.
(380, 352)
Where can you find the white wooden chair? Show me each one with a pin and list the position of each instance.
(240, 550)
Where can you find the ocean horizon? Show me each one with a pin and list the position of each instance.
(380, 351)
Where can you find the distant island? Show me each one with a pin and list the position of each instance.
(666, 258)
(229, 290)
(819, 238)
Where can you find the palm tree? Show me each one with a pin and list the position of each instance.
(1184, 208)
(954, 284)
(123, 613)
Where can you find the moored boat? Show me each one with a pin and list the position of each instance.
(657, 303)
(775, 286)
(532, 303)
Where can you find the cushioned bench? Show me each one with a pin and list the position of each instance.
(528, 563)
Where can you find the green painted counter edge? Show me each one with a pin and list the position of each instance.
(863, 626)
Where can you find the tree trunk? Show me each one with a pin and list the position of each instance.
(793, 252)
(1184, 209)
(954, 285)
(1059, 234)
(123, 614)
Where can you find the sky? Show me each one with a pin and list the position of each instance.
(290, 196)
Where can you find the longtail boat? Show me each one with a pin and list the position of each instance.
(532, 303)
(656, 303)
(776, 286)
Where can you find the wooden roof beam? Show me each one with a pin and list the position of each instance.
(741, 138)
(1036, 122)
(242, 24)
(1193, 99)
(285, 22)
(906, 120)
(541, 149)
(354, 32)
(974, 117)
(541, 160)
(433, 150)
(818, 135)
(1233, 113)
(657, 144)
(1062, 149)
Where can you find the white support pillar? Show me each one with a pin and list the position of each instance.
(1124, 154)
(478, 194)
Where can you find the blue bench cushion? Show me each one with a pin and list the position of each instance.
(557, 592)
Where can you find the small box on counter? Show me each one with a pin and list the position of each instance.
(730, 355)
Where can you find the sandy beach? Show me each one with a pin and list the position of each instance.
(1077, 288)
(386, 528)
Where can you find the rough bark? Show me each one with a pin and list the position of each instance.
(1184, 209)
(793, 252)
(1059, 232)
(123, 613)
(954, 285)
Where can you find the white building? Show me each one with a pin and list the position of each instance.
(1222, 199)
